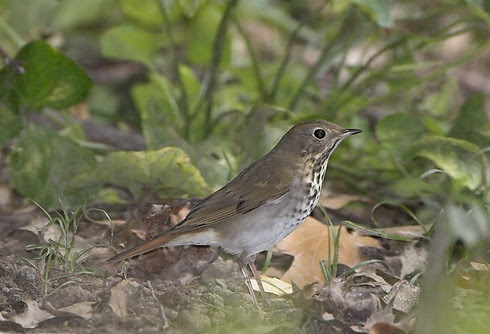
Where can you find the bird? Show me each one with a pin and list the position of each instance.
(263, 204)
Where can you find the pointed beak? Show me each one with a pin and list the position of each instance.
(350, 132)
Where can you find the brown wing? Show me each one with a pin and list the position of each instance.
(258, 184)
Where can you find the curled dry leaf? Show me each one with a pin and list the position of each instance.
(312, 242)
(31, 317)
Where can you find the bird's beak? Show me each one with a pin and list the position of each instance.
(350, 132)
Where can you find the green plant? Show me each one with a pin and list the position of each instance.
(61, 255)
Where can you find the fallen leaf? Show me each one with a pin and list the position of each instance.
(120, 296)
(273, 285)
(311, 242)
(32, 316)
(176, 218)
(339, 201)
(82, 309)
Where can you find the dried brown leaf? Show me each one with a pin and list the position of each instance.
(311, 242)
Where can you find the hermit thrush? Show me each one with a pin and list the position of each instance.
(263, 204)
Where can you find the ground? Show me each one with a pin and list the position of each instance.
(181, 289)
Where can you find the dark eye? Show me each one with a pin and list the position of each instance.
(319, 133)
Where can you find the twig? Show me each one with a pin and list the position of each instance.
(162, 311)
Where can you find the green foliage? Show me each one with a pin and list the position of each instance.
(201, 35)
(61, 254)
(458, 158)
(47, 167)
(10, 125)
(50, 78)
(167, 171)
(130, 42)
(472, 123)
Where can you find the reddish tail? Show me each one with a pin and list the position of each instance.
(143, 248)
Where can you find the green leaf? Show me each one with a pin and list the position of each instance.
(460, 159)
(397, 132)
(50, 79)
(45, 166)
(160, 119)
(167, 171)
(472, 123)
(131, 42)
(191, 84)
(379, 10)
(480, 8)
(10, 124)
(202, 34)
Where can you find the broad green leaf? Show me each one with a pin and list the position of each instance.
(50, 79)
(131, 42)
(379, 10)
(167, 171)
(46, 167)
(399, 131)
(159, 114)
(10, 124)
(460, 159)
(472, 123)
(202, 34)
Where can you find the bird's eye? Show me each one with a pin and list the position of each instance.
(319, 133)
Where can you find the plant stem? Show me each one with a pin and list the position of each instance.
(209, 84)
(334, 47)
(253, 56)
(289, 49)
(182, 100)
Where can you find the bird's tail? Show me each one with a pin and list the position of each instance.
(143, 248)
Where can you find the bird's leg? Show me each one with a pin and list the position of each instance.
(255, 272)
(249, 283)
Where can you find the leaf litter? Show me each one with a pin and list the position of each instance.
(196, 289)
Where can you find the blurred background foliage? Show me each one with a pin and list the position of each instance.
(212, 85)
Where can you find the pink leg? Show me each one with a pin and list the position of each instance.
(249, 283)
(255, 272)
